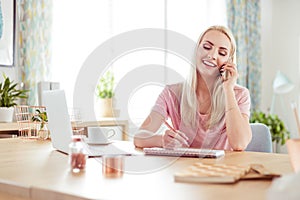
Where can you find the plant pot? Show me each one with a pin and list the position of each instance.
(276, 147)
(106, 107)
(6, 114)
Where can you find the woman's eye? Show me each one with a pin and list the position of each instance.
(223, 53)
(205, 46)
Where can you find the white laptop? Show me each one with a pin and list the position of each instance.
(60, 127)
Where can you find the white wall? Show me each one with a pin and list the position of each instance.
(11, 72)
(280, 51)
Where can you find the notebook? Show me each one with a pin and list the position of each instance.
(60, 127)
(184, 152)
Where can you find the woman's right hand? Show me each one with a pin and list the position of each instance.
(171, 139)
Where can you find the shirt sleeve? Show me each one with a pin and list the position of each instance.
(160, 105)
(244, 101)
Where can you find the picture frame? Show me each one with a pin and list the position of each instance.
(7, 32)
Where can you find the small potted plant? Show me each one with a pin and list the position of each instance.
(42, 119)
(9, 94)
(105, 94)
(277, 128)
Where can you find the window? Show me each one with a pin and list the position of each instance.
(80, 26)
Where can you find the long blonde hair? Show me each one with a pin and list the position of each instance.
(189, 102)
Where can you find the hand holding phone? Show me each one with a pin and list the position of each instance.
(224, 73)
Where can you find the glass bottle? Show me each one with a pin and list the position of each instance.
(43, 133)
(77, 158)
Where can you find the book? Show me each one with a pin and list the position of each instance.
(184, 152)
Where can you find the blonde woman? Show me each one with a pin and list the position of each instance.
(209, 110)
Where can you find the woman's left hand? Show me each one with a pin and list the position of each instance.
(232, 75)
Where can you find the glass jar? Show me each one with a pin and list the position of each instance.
(77, 158)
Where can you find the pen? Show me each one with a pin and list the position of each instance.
(169, 126)
(182, 137)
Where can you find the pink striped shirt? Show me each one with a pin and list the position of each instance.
(168, 105)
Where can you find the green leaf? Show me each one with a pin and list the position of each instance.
(105, 86)
(277, 128)
(9, 94)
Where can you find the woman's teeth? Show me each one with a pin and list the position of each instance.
(209, 63)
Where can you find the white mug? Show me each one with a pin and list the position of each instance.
(99, 135)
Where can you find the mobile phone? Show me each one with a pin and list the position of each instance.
(224, 73)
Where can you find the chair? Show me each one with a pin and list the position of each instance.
(261, 138)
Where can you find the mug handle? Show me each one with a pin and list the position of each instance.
(113, 133)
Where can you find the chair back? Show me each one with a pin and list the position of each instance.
(261, 138)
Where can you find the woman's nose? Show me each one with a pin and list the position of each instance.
(213, 55)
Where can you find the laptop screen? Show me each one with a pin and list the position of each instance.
(59, 122)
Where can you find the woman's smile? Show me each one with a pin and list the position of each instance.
(208, 63)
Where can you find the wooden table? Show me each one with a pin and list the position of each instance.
(34, 170)
(11, 128)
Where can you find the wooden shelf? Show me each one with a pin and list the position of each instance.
(12, 127)
(9, 126)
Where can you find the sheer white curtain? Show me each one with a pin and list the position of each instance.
(80, 26)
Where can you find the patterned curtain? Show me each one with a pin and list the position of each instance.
(34, 38)
(244, 21)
